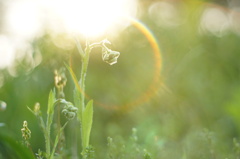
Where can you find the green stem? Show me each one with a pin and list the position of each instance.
(99, 44)
(57, 139)
(60, 90)
(85, 61)
(48, 134)
(74, 148)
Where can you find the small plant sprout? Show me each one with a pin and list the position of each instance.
(89, 153)
(40, 154)
(134, 137)
(109, 141)
(147, 154)
(26, 134)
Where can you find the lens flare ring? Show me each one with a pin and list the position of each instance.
(156, 82)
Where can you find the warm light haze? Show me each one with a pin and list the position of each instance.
(90, 18)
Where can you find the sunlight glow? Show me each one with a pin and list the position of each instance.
(92, 17)
(23, 19)
(6, 52)
(87, 17)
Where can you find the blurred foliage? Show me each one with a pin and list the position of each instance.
(201, 85)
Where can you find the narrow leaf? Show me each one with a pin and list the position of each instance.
(31, 110)
(87, 124)
(57, 140)
(74, 78)
(51, 101)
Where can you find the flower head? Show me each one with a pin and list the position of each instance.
(26, 133)
(110, 56)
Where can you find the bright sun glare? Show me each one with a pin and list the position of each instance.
(24, 20)
(88, 17)
(93, 17)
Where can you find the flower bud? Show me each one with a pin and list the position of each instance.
(110, 56)
(26, 133)
(37, 110)
(69, 111)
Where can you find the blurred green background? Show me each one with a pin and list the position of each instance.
(199, 42)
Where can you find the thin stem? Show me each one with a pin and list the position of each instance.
(60, 90)
(80, 50)
(74, 126)
(100, 44)
(48, 134)
(57, 139)
(85, 61)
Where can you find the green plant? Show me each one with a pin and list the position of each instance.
(69, 112)
(84, 112)
(121, 149)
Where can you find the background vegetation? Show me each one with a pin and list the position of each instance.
(195, 113)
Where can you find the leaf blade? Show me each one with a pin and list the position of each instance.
(51, 102)
(87, 119)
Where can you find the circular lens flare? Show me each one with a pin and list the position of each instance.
(156, 82)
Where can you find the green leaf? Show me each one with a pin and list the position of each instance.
(31, 110)
(10, 148)
(51, 101)
(87, 124)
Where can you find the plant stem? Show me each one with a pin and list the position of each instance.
(57, 139)
(74, 149)
(47, 134)
(85, 61)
